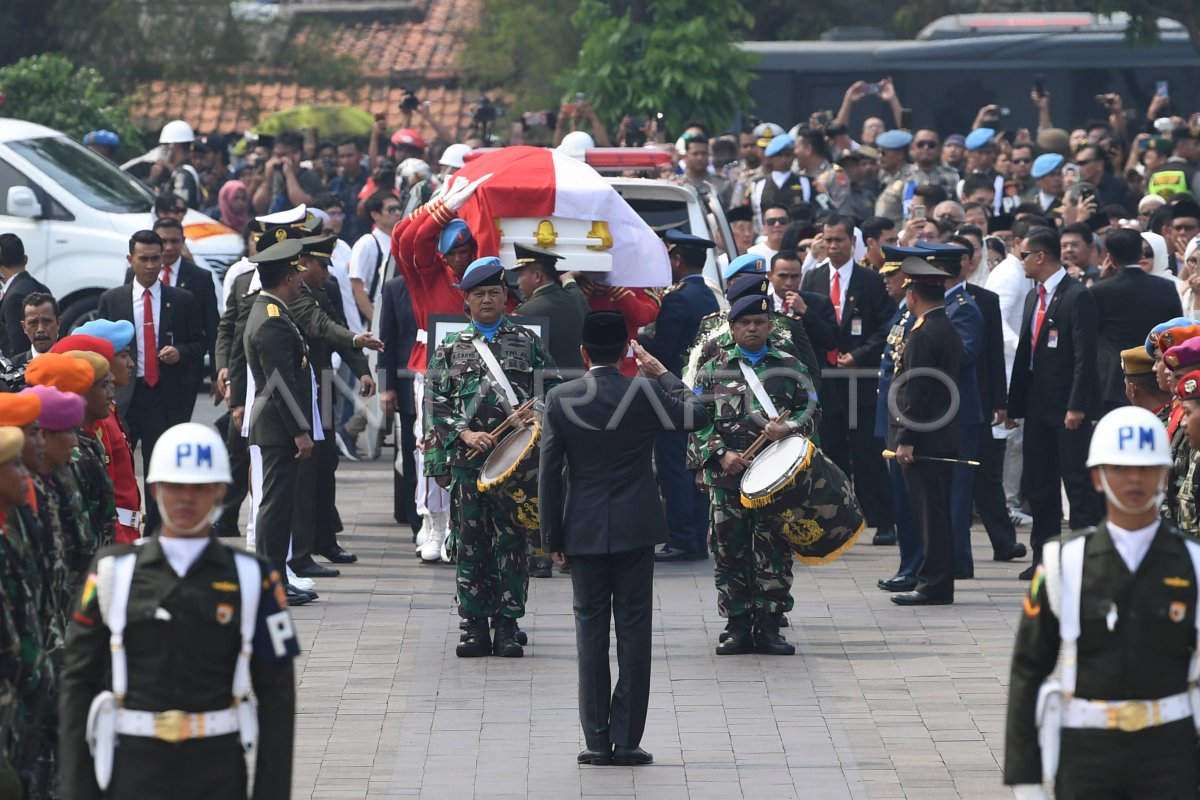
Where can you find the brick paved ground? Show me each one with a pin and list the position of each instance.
(879, 701)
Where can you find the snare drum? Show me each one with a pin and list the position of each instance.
(804, 498)
(510, 475)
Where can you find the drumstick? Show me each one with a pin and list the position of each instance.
(889, 454)
(758, 443)
(503, 427)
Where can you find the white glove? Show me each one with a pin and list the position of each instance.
(460, 191)
(1029, 791)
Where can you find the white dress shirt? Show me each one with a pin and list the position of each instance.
(1011, 286)
(1133, 545)
(1051, 284)
(139, 327)
(844, 272)
(365, 257)
(182, 553)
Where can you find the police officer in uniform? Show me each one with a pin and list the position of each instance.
(684, 305)
(923, 399)
(478, 377)
(1119, 601)
(185, 626)
(281, 419)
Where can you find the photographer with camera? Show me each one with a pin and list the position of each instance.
(1094, 168)
(287, 183)
(578, 115)
(883, 89)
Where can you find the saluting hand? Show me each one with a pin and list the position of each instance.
(650, 366)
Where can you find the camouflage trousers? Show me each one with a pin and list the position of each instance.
(752, 565)
(491, 570)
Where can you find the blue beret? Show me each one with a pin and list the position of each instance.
(979, 138)
(778, 144)
(894, 254)
(746, 285)
(941, 250)
(677, 238)
(1163, 327)
(486, 271)
(956, 138)
(750, 262)
(1044, 164)
(120, 333)
(454, 234)
(894, 140)
(750, 304)
(102, 137)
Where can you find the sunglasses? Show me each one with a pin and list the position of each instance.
(775, 221)
(1027, 253)
(925, 143)
(1083, 162)
(1021, 160)
(1147, 253)
(802, 248)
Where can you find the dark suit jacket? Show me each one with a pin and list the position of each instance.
(612, 504)
(179, 325)
(932, 343)
(1128, 305)
(675, 328)
(565, 307)
(968, 321)
(820, 322)
(199, 282)
(993, 382)
(1061, 377)
(12, 311)
(867, 302)
(398, 330)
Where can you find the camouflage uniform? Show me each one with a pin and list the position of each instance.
(1182, 457)
(752, 559)
(64, 513)
(493, 527)
(713, 338)
(51, 552)
(91, 470)
(891, 200)
(1187, 492)
(28, 730)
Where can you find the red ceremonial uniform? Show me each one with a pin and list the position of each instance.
(119, 464)
(638, 305)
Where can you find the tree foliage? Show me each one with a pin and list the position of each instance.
(52, 91)
(677, 57)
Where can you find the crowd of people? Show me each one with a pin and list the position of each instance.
(943, 320)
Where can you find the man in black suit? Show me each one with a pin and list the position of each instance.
(398, 330)
(17, 284)
(41, 320)
(1054, 390)
(932, 345)
(602, 428)
(168, 348)
(180, 273)
(847, 428)
(1128, 304)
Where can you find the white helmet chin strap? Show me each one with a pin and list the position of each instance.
(1153, 502)
(210, 519)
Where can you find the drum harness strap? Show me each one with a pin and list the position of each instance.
(760, 392)
(495, 372)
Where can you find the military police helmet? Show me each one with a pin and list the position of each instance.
(189, 453)
(1129, 436)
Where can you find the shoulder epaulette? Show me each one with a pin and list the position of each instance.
(962, 299)
(272, 310)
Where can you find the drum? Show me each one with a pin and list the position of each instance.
(804, 498)
(510, 475)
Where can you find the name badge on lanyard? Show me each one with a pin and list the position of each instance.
(856, 326)
(1052, 339)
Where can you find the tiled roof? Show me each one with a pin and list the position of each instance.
(420, 54)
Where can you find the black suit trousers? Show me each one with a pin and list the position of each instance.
(404, 486)
(854, 447)
(316, 499)
(273, 528)
(990, 502)
(928, 485)
(147, 417)
(620, 587)
(1053, 454)
(239, 470)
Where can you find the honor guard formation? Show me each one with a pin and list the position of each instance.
(895, 334)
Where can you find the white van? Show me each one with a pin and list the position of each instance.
(75, 212)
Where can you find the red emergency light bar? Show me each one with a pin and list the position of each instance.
(605, 158)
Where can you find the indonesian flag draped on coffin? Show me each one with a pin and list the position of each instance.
(546, 199)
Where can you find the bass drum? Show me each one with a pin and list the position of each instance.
(510, 476)
(804, 498)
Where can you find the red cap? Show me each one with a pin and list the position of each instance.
(407, 137)
(82, 341)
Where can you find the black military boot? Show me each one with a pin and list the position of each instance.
(475, 641)
(740, 638)
(506, 645)
(767, 638)
(521, 637)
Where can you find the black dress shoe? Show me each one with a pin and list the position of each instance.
(915, 598)
(1016, 551)
(630, 756)
(601, 757)
(541, 567)
(307, 568)
(295, 597)
(884, 537)
(898, 583)
(1027, 573)
(338, 555)
(675, 554)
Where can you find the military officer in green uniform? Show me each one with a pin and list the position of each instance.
(565, 307)
(1184, 511)
(281, 419)
(185, 626)
(1119, 600)
(477, 378)
(751, 387)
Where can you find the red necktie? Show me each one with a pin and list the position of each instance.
(148, 337)
(1041, 315)
(166, 276)
(835, 296)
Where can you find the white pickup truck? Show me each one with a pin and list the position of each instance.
(75, 212)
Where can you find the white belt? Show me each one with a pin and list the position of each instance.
(129, 518)
(422, 336)
(1126, 715)
(177, 726)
